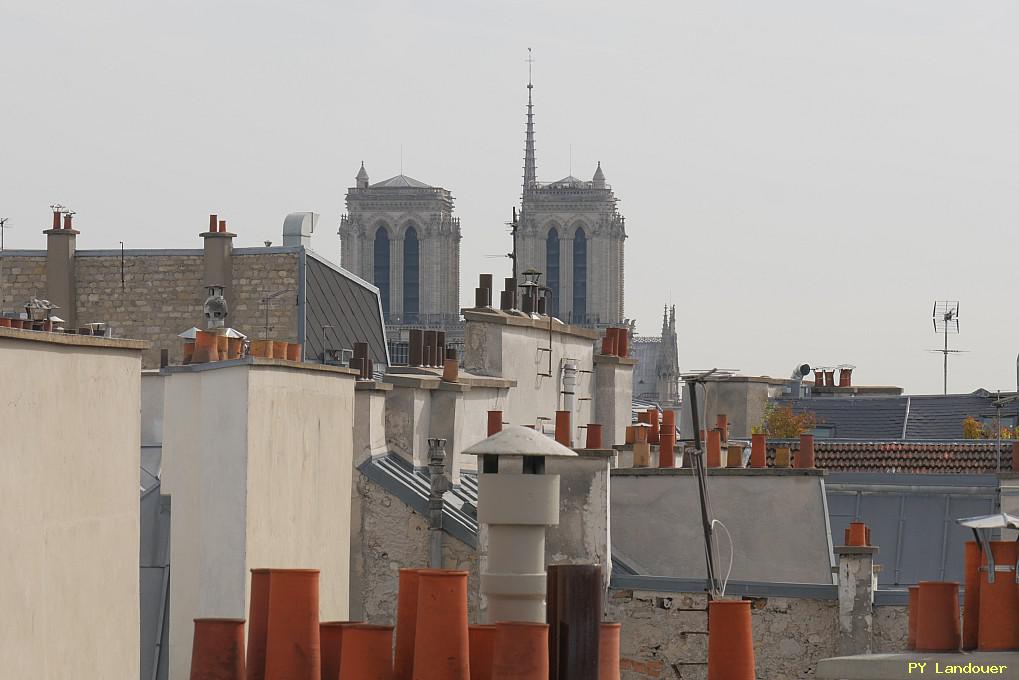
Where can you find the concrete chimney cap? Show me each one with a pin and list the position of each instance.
(516, 440)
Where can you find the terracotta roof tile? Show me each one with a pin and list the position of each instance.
(964, 457)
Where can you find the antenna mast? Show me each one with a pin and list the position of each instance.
(3, 295)
(946, 320)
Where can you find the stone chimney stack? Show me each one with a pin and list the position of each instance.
(61, 283)
(219, 270)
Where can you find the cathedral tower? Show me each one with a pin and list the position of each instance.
(400, 235)
(571, 230)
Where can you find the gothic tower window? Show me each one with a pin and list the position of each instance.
(552, 269)
(580, 277)
(381, 269)
(411, 281)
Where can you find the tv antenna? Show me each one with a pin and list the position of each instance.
(946, 321)
(3, 227)
(716, 585)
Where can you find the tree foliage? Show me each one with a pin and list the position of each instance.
(782, 423)
(974, 429)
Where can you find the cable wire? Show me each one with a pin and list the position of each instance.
(732, 553)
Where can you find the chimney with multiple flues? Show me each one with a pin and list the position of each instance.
(427, 348)
(616, 342)
(61, 284)
(825, 376)
(218, 257)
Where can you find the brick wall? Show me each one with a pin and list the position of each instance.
(162, 295)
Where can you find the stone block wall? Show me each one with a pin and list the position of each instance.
(21, 277)
(394, 537)
(891, 629)
(255, 276)
(665, 634)
(162, 295)
(158, 299)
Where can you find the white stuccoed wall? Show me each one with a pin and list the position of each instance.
(257, 460)
(69, 514)
(510, 347)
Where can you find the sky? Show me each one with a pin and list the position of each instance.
(801, 178)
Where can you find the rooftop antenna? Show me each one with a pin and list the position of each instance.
(3, 227)
(571, 160)
(513, 225)
(946, 320)
(401, 159)
(267, 301)
(716, 585)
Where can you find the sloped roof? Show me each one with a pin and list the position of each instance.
(400, 182)
(341, 310)
(154, 566)
(569, 179)
(953, 457)
(940, 416)
(857, 418)
(927, 416)
(459, 509)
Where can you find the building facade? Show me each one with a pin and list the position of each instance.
(400, 234)
(571, 230)
(286, 292)
(656, 378)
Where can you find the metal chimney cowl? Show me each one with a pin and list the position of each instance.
(298, 228)
(216, 309)
(516, 501)
(39, 310)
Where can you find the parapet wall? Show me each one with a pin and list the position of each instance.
(517, 348)
(777, 520)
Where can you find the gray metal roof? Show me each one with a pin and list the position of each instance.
(925, 416)
(459, 511)
(154, 568)
(940, 416)
(337, 298)
(856, 418)
(912, 519)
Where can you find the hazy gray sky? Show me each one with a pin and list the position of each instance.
(801, 178)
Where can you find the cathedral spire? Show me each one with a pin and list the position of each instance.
(530, 175)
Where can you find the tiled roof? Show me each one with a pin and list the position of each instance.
(945, 457)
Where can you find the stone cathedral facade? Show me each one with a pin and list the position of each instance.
(572, 232)
(400, 235)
